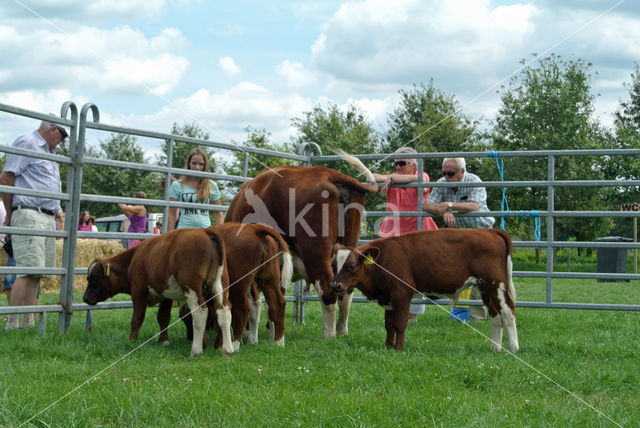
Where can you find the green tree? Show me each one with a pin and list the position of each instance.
(181, 149)
(336, 129)
(430, 121)
(259, 139)
(550, 107)
(104, 180)
(627, 136)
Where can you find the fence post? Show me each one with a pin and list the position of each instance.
(74, 175)
(551, 174)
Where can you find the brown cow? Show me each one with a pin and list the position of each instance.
(253, 258)
(446, 261)
(183, 265)
(313, 208)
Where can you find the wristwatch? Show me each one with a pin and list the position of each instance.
(450, 205)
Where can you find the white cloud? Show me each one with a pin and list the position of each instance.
(111, 60)
(225, 114)
(404, 41)
(295, 74)
(156, 76)
(229, 66)
(123, 7)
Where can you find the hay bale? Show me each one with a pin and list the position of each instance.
(86, 251)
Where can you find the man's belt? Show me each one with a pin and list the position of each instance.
(42, 210)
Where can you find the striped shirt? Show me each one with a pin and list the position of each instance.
(36, 174)
(464, 194)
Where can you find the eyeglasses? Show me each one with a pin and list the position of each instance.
(399, 163)
(450, 173)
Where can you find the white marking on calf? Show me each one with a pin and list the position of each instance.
(341, 257)
(287, 271)
(511, 289)
(328, 315)
(217, 286)
(329, 318)
(199, 319)
(224, 321)
(496, 333)
(508, 318)
(254, 320)
(343, 318)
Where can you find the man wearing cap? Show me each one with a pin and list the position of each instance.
(32, 212)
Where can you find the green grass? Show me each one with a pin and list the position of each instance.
(573, 368)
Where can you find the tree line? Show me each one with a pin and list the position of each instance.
(546, 106)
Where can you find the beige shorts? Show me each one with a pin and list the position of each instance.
(34, 251)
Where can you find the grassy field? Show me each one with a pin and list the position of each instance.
(575, 368)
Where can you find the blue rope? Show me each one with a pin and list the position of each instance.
(504, 205)
(500, 165)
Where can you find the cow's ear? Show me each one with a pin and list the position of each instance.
(369, 256)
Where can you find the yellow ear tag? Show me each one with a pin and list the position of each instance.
(108, 272)
(368, 260)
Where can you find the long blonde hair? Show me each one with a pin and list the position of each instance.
(203, 189)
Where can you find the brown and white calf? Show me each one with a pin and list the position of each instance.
(445, 262)
(254, 253)
(183, 265)
(313, 208)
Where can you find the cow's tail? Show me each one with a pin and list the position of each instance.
(218, 244)
(511, 290)
(286, 270)
(371, 185)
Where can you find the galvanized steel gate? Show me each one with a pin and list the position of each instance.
(78, 124)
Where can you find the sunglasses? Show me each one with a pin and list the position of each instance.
(399, 163)
(449, 173)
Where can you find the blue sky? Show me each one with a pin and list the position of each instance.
(229, 65)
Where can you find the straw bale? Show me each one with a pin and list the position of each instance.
(86, 251)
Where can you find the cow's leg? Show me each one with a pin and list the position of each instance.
(496, 332)
(490, 298)
(139, 310)
(239, 314)
(223, 312)
(508, 318)
(275, 311)
(164, 317)
(254, 319)
(328, 313)
(343, 319)
(389, 326)
(199, 316)
(400, 320)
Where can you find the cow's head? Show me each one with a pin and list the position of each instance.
(348, 266)
(100, 282)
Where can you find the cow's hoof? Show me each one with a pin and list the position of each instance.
(165, 343)
(236, 345)
(194, 354)
(280, 342)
